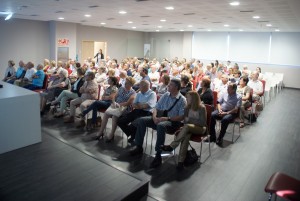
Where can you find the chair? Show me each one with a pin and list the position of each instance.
(215, 94)
(264, 88)
(45, 84)
(283, 186)
(250, 109)
(200, 139)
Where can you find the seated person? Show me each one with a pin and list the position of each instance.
(10, 71)
(167, 114)
(154, 76)
(19, 74)
(162, 87)
(89, 92)
(205, 93)
(37, 79)
(100, 76)
(186, 85)
(194, 124)
(227, 109)
(55, 87)
(27, 79)
(124, 97)
(106, 100)
(143, 105)
(66, 95)
(144, 75)
(244, 91)
(256, 85)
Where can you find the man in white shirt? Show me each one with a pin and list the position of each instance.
(30, 71)
(256, 85)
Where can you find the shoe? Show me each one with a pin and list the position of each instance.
(69, 119)
(81, 115)
(180, 166)
(242, 124)
(137, 150)
(220, 142)
(167, 148)
(131, 138)
(109, 140)
(98, 137)
(156, 161)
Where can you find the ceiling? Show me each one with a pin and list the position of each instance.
(145, 15)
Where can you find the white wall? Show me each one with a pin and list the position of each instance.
(23, 39)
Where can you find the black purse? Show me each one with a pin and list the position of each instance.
(191, 157)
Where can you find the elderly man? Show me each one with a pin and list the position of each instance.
(144, 75)
(27, 79)
(143, 105)
(167, 114)
(227, 109)
(256, 85)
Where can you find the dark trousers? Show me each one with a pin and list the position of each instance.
(32, 87)
(125, 120)
(225, 120)
(95, 106)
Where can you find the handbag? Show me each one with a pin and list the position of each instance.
(259, 106)
(164, 113)
(115, 109)
(191, 156)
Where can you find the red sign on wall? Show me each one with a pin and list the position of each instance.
(63, 42)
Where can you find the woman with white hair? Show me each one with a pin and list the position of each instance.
(55, 87)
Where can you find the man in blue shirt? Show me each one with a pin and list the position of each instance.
(227, 109)
(145, 76)
(143, 105)
(167, 114)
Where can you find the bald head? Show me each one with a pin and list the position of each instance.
(144, 86)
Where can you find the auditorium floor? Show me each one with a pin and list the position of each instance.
(234, 173)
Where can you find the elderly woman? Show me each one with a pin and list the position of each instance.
(245, 92)
(194, 124)
(89, 93)
(124, 97)
(205, 93)
(55, 87)
(10, 70)
(69, 95)
(106, 99)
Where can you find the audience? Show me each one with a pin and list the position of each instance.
(244, 91)
(37, 79)
(205, 93)
(19, 74)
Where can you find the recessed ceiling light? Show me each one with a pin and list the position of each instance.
(269, 25)
(103, 23)
(190, 25)
(208, 29)
(157, 30)
(159, 26)
(87, 15)
(226, 25)
(241, 30)
(256, 17)
(181, 30)
(134, 27)
(163, 20)
(61, 18)
(234, 3)
(130, 22)
(122, 12)
(277, 30)
(169, 8)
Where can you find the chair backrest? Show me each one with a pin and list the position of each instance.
(45, 82)
(209, 110)
(215, 94)
(264, 86)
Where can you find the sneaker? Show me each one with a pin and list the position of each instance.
(157, 161)
(137, 150)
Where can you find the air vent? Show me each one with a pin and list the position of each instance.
(171, 28)
(200, 28)
(59, 11)
(263, 21)
(189, 14)
(216, 22)
(83, 21)
(247, 11)
(95, 6)
(34, 15)
(145, 24)
(141, 0)
(177, 23)
(145, 16)
(111, 18)
(119, 25)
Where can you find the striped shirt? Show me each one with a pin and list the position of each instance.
(167, 101)
(123, 96)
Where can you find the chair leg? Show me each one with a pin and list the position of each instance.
(270, 196)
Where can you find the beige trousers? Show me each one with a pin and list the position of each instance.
(184, 137)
